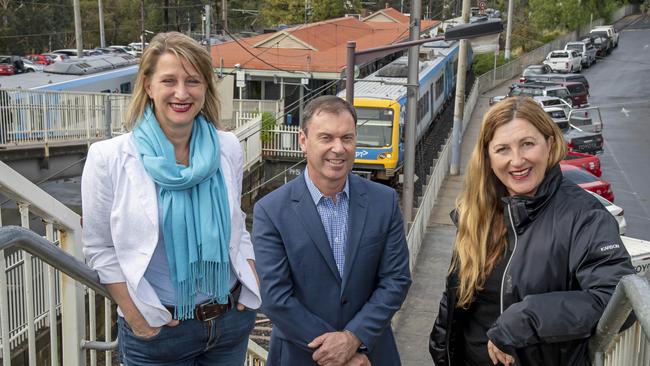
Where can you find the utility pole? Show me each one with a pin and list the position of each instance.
(411, 114)
(208, 15)
(102, 40)
(459, 105)
(224, 16)
(142, 25)
(77, 28)
(511, 8)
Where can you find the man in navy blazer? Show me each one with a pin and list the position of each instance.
(331, 253)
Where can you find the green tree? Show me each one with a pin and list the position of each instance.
(276, 12)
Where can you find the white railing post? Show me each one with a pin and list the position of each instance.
(73, 321)
(28, 288)
(4, 312)
(51, 300)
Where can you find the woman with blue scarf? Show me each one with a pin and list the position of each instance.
(163, 225)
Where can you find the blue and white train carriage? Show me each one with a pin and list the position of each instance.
(380, 102)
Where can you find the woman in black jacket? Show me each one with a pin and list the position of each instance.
(536, 258)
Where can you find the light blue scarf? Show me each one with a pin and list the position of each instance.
(195, 210)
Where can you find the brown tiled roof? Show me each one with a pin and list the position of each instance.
(321, 46)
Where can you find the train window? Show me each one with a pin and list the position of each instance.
(374, 127)
(423, 106)
(440, 85)
(125, 88)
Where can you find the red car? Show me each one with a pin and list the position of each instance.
(587, 162)
(588, 181)
(6, 69)
(37, 58)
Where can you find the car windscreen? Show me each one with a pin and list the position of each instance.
(559, 55)
(599, 33)
(576, 88)
(577, 47)
(578, 78)
(579, 176)
(558, 93)
(557, 114)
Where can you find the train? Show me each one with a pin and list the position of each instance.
(380, 102)
(99, 74)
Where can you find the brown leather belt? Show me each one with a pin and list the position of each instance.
(211, 310)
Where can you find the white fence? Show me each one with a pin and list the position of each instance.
(281, 142)
(29, 117)
(247, 109)
(251, 141)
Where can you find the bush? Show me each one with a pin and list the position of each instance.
(485, 62)
(268, 124)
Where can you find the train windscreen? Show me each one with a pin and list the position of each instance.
(374, 127)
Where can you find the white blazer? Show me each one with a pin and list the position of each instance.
(120, 221)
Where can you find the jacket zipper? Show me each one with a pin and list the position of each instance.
(503, 278)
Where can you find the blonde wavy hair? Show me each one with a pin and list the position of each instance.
(184, 48)
(481, 236)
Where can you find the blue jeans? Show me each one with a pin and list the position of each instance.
(222, 342)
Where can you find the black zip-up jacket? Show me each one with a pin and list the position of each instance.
(567, 257)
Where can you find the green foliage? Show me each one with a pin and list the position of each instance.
(485, 62)
(268, 124)
(276, 12)
(289, 12)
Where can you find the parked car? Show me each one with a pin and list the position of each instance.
(534, 88)
(31, 66)
(534, 70)
(590, 163)
(6, 69)
(588, 181)
(577, 91)
(616, 211)
(586, 50)
(123, 49)
(15, 61)
(563, 77)
(57, 57)
(40, 59)
(564, 61)
(72, 53)
(576, 139)
(612, 33)
(603, 46)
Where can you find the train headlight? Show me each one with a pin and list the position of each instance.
(384, 156)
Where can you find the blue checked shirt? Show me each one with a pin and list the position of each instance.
(334, 217)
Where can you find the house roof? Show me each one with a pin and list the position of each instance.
(315, 47)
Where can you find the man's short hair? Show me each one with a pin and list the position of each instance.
(328, 104)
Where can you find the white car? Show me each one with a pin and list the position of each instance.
(125, 49)
(30, 66)
(616, 211)
(567, 61)
(611, 32)
(585, 50)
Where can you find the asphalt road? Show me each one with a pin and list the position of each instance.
(620, 86)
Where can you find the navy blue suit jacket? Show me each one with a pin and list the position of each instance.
(302, 291)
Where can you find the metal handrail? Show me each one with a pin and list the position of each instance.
(632, 294)
(16, 237)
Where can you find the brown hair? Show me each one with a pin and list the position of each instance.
(481, 237)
